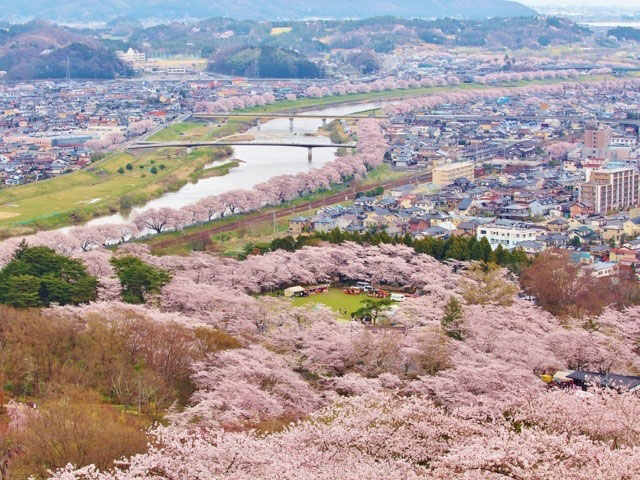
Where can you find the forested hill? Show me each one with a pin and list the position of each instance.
(264, 62)
(80, 10)
(42, 50)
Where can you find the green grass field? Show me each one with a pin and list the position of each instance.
(335, 299)
(98, 189)
(199, 131)
(174, 132)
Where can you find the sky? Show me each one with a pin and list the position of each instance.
(590, 3)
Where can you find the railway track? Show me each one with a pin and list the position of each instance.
(348, 194)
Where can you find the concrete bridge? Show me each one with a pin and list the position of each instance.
(192, 144)
(526, 118)
(291, 116)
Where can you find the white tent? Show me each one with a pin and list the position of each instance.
(293, 291)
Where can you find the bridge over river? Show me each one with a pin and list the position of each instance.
(291, 116)
(221, 143)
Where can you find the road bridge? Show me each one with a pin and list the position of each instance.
(258, 117)
(193, 144)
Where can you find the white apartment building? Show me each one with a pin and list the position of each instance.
(131, 56)
(508, 234)
(612, 189)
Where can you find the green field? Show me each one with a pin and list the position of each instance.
(99, 188)
(173, 132)
(199, 131)
(335, 299)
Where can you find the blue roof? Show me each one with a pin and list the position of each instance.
(465, 204)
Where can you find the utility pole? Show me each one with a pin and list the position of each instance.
(275, 228)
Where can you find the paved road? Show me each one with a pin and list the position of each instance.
(525, 118)
(285, 212)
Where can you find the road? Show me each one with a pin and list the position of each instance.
(143, 138)
(525, 118)
(348, 194)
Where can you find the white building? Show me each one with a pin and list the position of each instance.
(603, 269)
(131, 56)
(509, 235)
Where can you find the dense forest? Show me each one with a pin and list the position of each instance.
(83, 62)
(625, 33)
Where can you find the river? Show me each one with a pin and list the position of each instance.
(259, 164)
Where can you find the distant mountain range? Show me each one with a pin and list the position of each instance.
(84, 11)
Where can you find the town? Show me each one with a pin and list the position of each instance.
(323, 240)
(526, 184)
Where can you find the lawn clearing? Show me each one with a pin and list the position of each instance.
(335, 299)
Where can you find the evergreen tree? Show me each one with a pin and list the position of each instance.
(38, 277)
(138, 278)
(452, 319)
(458, 249)
(498, 256)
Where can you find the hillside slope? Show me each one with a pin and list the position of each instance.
(78, 10)
(41, 50)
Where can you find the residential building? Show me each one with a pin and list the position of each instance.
(611, 189)
(131, 56)
(446, 174)
(507, 234)
(596, 142)
(298, 224)
(603, 269)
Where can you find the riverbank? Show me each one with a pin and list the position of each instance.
(305, 104)
(229, 234)
(99, 189)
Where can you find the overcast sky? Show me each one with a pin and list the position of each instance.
(592, 3)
